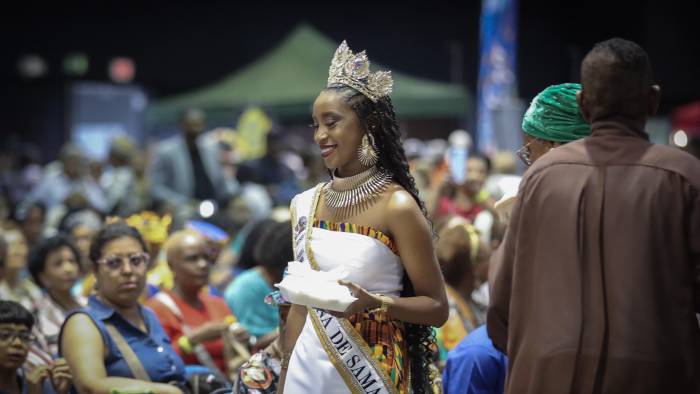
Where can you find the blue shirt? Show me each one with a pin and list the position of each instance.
(475, 366)
(246, 299)
(152, 347)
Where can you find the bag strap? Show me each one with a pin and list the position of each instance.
(132, 361)
(165, 299)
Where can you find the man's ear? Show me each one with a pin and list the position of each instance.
(583, 105)
(654, 99)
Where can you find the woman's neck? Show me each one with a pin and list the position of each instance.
(11, 277)
(270, 277)
(8, 380)
(64, 299)
(130, 313)
(350, 170)
(190, 296)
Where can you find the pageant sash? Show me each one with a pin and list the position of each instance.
(346, 349)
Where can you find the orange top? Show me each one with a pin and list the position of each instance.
(213, 309)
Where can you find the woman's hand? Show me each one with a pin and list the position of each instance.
(365, 300)
(239, 333)
(207, 332)
(61, 377)
(35, 379)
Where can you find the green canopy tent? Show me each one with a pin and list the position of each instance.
(287, 79)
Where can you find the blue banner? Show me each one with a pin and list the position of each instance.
(498, 83)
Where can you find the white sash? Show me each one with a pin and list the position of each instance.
(346, 349)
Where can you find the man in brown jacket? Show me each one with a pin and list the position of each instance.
(598, 279)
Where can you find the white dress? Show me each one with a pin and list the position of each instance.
(372, 265)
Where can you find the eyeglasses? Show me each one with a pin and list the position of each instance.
(137, 261)
(24, 336)
(524, 153)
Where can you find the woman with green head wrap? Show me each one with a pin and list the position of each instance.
(553, 119)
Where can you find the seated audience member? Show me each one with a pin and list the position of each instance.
(475, 366)
(458, 251)
(16, 337)
(194, 320)
(30, 219)
(82, 225)
(135, 350)
(54, 265)
(246, 295)
(15, 285)
(65, 180)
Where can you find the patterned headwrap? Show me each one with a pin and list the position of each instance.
(554, 115)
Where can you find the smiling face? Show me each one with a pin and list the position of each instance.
(338, 133)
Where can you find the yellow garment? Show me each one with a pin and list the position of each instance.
(482, 196)
(153, 228)
(160, 275)
(460, 322)
(88, 285)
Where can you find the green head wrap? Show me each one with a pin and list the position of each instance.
(554, 115)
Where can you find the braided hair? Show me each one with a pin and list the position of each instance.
(380, 120)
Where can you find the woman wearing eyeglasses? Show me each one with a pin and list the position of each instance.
(114, 328)
(552, 120)
(16, 337)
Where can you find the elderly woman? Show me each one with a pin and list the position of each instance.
(553, 119)
(194, 320)
(134, 349)
(82, 225)
(14, 285)
(55, 266)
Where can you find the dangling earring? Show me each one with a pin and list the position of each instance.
(367, 152)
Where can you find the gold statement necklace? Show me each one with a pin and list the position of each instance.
(351, 195)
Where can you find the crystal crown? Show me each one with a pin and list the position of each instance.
(352, 69)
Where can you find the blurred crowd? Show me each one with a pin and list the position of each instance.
(207, 235)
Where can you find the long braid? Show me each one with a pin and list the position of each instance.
(392, 158)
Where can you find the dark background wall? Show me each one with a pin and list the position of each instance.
(178, 46)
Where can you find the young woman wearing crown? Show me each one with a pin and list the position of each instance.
(369, 220)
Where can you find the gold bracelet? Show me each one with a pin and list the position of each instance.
(384, 307)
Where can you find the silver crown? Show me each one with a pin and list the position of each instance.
(352, 70)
